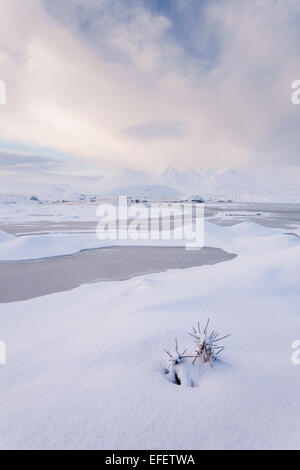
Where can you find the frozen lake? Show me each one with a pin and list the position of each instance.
(272, 215)
(23, 280)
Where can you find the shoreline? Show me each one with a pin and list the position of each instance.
(24, 280)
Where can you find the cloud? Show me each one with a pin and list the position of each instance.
(77, 72)
(156, 130)
(21, 162)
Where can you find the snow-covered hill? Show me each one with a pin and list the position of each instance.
(168, 183)
(250, 184)
(31, 192)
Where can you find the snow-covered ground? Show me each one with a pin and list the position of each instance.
(259, 184)
(35, 247)
(86, 368)
(239, 237)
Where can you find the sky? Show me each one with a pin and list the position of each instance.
(99, 85)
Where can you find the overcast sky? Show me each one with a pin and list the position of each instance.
(146, 83)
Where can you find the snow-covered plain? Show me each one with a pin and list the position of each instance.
(85, 368)
(35, 247)
(240, 237)
(261, 184)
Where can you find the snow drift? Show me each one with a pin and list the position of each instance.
(85, 368)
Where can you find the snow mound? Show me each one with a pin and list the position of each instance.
(46, 246)
(5, 237)
(98, 350)
(246, 236)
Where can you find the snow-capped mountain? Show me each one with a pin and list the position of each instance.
(255, 184)
(205, 180)
(249, 184)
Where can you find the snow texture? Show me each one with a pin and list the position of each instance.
(86, 368)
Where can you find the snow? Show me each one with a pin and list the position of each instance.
(34, 247)
(85, 368)
(241, 237)
(146, 192)
(258, 184)
(23, 192)
(5, 237)
(45, 246)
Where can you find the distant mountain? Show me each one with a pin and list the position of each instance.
(249, 184)
(278, 184)
(205, 180)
